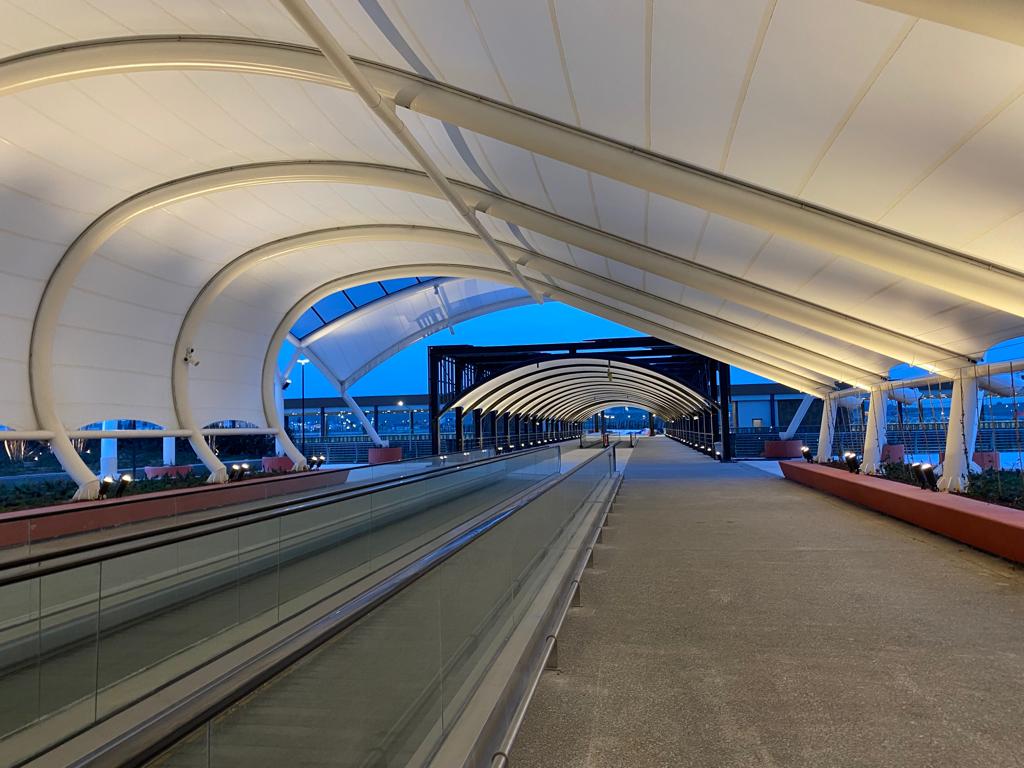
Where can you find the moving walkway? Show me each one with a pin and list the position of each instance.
(105, 648)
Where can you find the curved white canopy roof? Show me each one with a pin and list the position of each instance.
(814, 191)
(354, 344)
(578, 387)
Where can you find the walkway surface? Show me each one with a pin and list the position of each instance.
(737, 619)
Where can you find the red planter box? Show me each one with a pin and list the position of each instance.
(277, 464)
(893, 454)
(43, 523)
(782, 449)
(384, 455)
(178, 471)
(984, 459)
(990, 527)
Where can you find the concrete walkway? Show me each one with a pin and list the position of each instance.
(736, 619)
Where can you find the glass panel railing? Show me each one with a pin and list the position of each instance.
(79, 644)
(37, 533)
(387, 689)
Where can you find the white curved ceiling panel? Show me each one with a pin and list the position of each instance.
(571, 187)
(522, 44)
(816, 62)
(445, 35)
(933, 94)
(702, 52)
(607, 59)
(975, 193)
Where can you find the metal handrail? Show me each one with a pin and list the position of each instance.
(23, 514)
(42, 564)
(178, 719)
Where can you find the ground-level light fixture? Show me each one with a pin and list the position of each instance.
(929, 476)
(122, 485)
(235, 473)
(852, 462)
(915, 470)
(807, 454)
(105, 485)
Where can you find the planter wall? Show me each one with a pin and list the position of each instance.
(782, 449)
(43, 523)
(182, 470)
(990, 527)
(384, 455)
(277, 464)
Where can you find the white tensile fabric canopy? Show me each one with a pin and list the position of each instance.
(813, 191)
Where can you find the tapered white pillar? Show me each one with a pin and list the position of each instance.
(827, 433)
(874, 433)
(961, 433)
(108, 451)
(363, 420)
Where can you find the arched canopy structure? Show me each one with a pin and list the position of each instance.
(577, 387)
(813, 191)
(354, 344)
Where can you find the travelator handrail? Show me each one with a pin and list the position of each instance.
(273, 477)
(156, 733)
(35, 565)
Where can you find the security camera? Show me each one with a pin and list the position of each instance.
(190, 357)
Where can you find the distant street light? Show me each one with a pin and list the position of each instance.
(303, 361)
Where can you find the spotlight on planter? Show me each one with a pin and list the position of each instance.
(929, 476)
(105, 485)
(122, 485)
(807, 454)
(244, 472)
(852, 462)
(235, 473)
(915, 470)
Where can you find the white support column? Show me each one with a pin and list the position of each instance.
(826, 436)
(874, 432)
(365, 422)
(340, 386)
(108, 451)
(798, 418)
(962, 432)
(170, 452)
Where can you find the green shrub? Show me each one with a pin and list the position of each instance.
(998, 486)
(899, 472)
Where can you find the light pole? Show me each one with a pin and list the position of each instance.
(303, 362)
